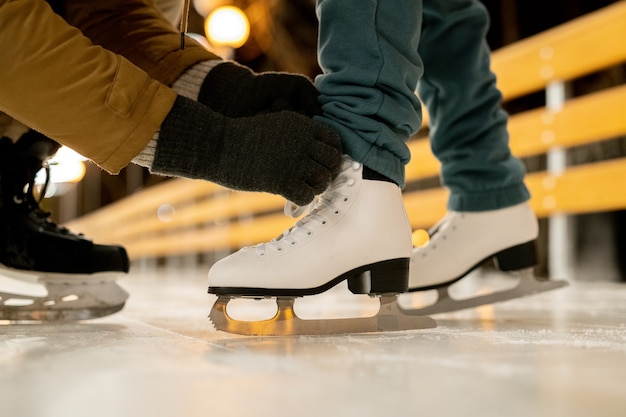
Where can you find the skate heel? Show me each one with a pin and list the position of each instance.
(517, 257)
(386, 277)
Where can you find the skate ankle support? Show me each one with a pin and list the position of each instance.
(517, 257)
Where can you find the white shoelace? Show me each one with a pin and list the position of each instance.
(318, 213)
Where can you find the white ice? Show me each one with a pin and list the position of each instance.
(556, 354)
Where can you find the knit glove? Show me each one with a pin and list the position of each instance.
(283, 152)
(235, 91)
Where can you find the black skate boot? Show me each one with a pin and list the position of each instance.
(79, 275)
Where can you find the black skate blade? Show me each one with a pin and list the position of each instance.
(286, 323)
(527, 285)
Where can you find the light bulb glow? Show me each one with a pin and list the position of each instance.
(420, 238)
(66, 166)
(69, 171)
(227, 26)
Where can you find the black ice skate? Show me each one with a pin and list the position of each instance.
(78, 275)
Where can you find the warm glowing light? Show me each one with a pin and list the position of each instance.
(227, 26)
(65, 167)
(65, 154)
(64, 172)
(420, 238)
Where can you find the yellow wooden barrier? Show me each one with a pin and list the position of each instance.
(582, 120)
(569, 51)
(184, 216)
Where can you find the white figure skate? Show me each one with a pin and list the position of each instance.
(358, 231)
(462, 241)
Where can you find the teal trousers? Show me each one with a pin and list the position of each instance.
(376, 54)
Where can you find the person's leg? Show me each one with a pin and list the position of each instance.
(468, 129)
(368, 51)
(78, 275)
(55, 81)
(488, 209)
(32, 247)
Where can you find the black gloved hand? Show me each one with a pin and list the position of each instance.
(235, 91)
(283, 152)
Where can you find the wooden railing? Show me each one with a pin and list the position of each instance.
(184, 216)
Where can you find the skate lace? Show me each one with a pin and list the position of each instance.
(318, 213)
(30, 200)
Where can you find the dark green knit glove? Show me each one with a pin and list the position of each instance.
(283, 152)
(235, 91)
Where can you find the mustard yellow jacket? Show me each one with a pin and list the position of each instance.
(101, 90)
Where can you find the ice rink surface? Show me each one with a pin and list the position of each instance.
(555, 354)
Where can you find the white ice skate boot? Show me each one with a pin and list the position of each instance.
(357, 231)
(462, 241)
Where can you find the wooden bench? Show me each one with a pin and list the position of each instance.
(184, 216)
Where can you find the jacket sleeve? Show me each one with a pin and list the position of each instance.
(56, 81)
(137, 30)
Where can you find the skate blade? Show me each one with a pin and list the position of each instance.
(528, 284)
(286, 323)
(64, 303)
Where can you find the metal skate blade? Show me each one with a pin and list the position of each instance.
(15, 314)
(64, 303)
(286, 323)
(528, 284)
